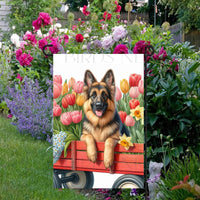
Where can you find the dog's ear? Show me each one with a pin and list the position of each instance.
(109, 78)
(89, 78)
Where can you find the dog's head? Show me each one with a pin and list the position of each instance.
(100, 96)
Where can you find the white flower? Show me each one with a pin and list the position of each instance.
(0, 45)
(13, 27)
(84, 47)
(58, 25)
(107, 42)
(15, 39)
(86, 35)
(119, 33)
(39, 33)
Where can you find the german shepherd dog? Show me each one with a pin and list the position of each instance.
(101, 122)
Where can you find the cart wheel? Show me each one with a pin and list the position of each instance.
(129, 181)
(56, 181)
(82, 180)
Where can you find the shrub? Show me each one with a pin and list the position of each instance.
(31, 108)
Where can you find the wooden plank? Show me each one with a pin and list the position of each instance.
(137, 148)
(126, 158)
(86, 165)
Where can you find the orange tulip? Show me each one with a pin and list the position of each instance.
(64, 89)
(124, 86)
(80, 100)
(71, 82)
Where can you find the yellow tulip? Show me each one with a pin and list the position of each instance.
(124, 86)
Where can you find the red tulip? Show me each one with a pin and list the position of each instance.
(134, 92)
(57, 79)
(64, 102)
(129, 121)
(134, 79)
(76, 116)
(66, 118)
(133, 103)
(141, 86)
(122, 115)
(78, 87)
(57, 111)
(71, 99)
(57, 89)
(118, 94)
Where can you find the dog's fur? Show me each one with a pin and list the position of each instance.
(101, 122)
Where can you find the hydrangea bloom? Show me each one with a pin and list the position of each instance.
(119, 33)
(58, 145)
(121, 49)
(107, 42)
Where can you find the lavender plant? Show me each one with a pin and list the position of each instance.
(31, 108)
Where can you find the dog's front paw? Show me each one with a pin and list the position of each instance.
(108, 162)
(92, 154)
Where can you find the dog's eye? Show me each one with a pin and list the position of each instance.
(104, 95)
(94, 94)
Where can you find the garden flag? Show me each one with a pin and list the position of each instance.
(98, 120)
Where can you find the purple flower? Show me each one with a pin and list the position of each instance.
(133, 192)
(121, 49)
(107, 42)
(119, 33)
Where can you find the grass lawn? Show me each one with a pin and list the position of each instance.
(26, 169)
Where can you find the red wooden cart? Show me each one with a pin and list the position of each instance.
(75, 170)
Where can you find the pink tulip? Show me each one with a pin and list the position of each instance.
(54, 103)
(134, 92)
(57, 111)
(57, 79)
(141, 86)
(57, 89)
(78, 87)
(66, 118)
(129, 121)
(118, 94)
(76, 116)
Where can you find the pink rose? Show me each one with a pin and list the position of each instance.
(45, 18)
(30, 37)
(37, 23)
(42, 43)
(107, 16)
(118, 94)
(78, 87)
(121, 49)
(134, 92)
(129, 121)
(55, 48)
(25, 59)
(85, 12)
(76, 116)
(79, 38)
(118, 9)
(66, 118)
(19, 77)
(18, 53)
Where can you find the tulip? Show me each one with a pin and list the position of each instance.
(141, 86)
(57, 88)
(118, 94)
(57, 79)
(80, 100)
(78, 87)
(129, 121)
(71, 99)
(133, 103)
(134, 79)
(122, 116)
(71, 82)
(57, 111)
(64, 102)
(66, 118)
(76, 116)
(64, 89)
(124, 86)
(134, 92)
(54, 103)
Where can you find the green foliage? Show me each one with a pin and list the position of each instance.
(4, 108)
(187, 12)
(173, 106)
(188, 165)
(74, 5)
(22, 13)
